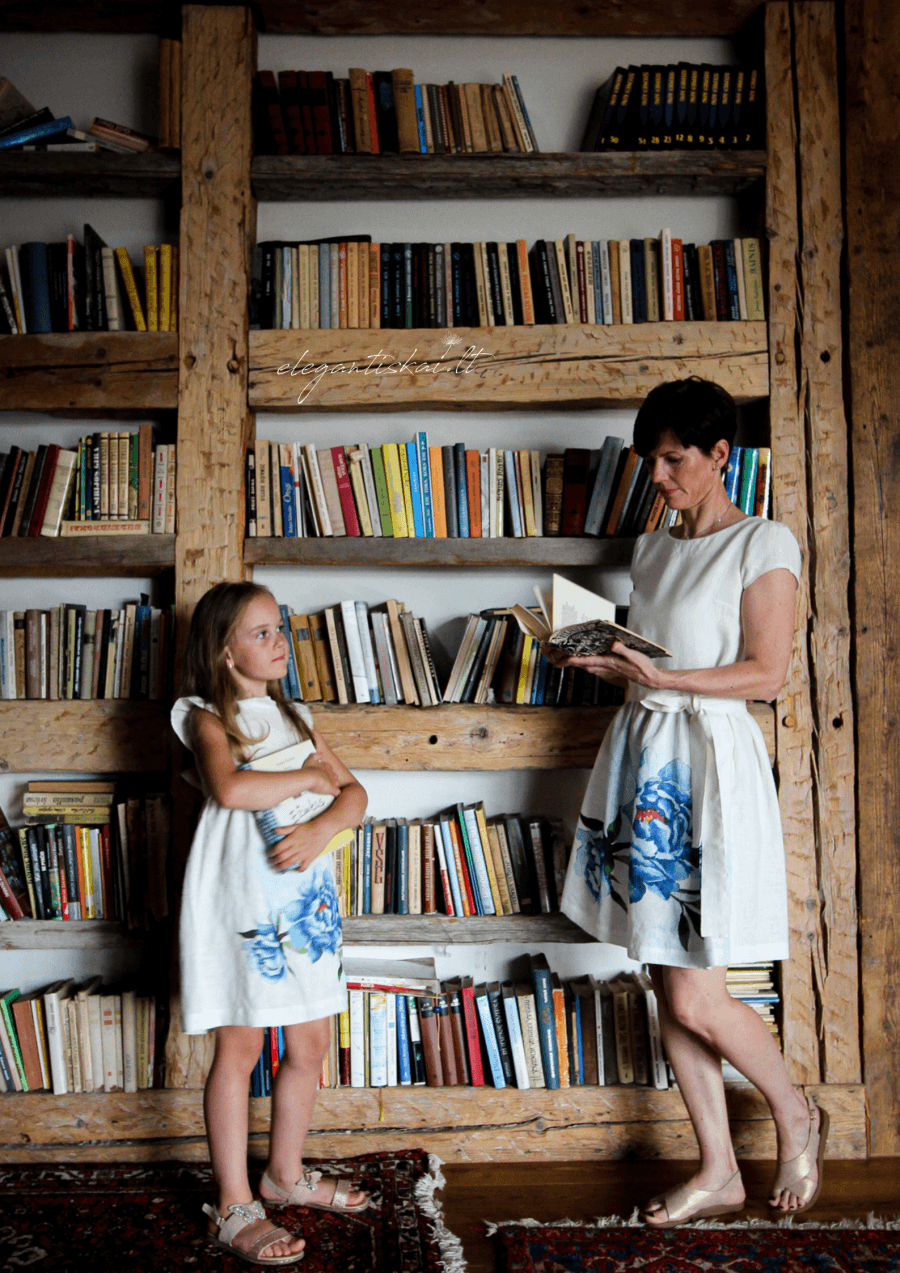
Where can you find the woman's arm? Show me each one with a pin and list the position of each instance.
(235, 788)
(767, 623)
(302, 844)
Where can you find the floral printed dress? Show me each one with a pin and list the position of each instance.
(678, 854)
(258, 947)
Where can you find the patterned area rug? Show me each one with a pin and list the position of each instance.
(530, 1248)
(148, 1219)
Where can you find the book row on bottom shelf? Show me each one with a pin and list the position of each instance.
(459, 862)
(83, 1037)
(86, 855)
(351, 282)
(71, 652)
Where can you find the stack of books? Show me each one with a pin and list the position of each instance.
(86, 853)
(351, 282)
(85, 1037)
(386, 112)
(458, 862)
(112, 483)
(73, 652)
(72, 286)
(754, 985)
(24, 128)
(677, 107)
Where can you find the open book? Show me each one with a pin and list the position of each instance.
(579, 622)
(296, 809)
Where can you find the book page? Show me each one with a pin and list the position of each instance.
(573, 604)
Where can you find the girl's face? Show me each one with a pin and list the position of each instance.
(257, 652)
(685, 476)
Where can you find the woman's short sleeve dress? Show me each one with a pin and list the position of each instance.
(678, 854)
(259, 947)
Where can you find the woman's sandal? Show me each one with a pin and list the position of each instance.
(239, 1216)
(302, 1194)
(794, 1175)
(683, 1205)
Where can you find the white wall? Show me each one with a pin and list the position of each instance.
(114, 77)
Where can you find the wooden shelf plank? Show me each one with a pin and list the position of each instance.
(477, 930)
(464, 736)
(87, 934)
(34, 175)
(130, 556)
(312, 178)
(389, 553)
(115, 735)
(71, 371)
(505, 368)
(461, 1124)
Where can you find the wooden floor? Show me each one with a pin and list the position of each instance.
(580, 1191)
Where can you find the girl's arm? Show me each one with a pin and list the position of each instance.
(767, 623)
(302, 844)
(235, 788)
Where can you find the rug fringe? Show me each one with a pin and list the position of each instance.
(618, 1222)
(449, 1245)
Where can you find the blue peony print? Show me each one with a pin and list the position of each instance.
(313, 920)
(596, 852)
(265, 952)
(662, 855)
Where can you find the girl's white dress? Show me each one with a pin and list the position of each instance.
(678, 855)
(258, 947)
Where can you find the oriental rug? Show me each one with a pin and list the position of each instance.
(148, 1219)
(764, 1248)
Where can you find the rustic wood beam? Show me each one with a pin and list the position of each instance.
(112, 735)
(872, 38)
(30, 175)
(94, 556)
(89, 370)
(388, 554)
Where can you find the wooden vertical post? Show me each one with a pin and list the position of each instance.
(218, 224)
(872, 38)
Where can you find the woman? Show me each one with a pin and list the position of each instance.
(678, 856)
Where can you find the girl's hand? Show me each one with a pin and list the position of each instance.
(621, 661)
(299, 848)
(319, 776)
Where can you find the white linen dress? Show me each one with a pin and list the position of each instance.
(259, 947)
(678, 854)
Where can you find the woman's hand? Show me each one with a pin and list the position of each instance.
(300, 847)
(621, 662)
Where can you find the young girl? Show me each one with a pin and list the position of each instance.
(260, 932)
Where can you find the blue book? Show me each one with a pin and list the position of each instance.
(291, 682)
(288, 510)
(425, 482)
(733, 474)
(514, 1030)
(407, 286)
(280, 1042)
(35, 131)
(324, 285)
(367, 869)
(489, 1036)
(540, 681)
(512, 501)
(35, 267)
(598, 283)
(579, 1040)
(462, 489)
(747, 488)
(603, 484)
(515, 81)
(415, 489)
(469, 861)
(638, 281)
(543, 1000)
(731, 283)
(447, 839)
(402, 869)
(404, 1069)
(420, 120)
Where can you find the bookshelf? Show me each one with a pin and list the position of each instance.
(219, 374)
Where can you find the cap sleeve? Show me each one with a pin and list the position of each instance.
(771, 546)
(305, 715)
(180, 714)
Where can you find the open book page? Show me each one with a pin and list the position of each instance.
(296, 809)
(583, 622)
(573, 604)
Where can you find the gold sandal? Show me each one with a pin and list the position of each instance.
(224, 1230)
(794, 1175)
(683, 1205)
(303, 1191)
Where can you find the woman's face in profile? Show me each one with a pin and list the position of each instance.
(685, 476)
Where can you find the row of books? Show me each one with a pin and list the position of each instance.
(386, 112)
(71, 652)
(26, 128)
(86, 855)
(70, 1037)
(458, 862)
(71, 286)
(684, 106)
(112, 483)
(353, 283)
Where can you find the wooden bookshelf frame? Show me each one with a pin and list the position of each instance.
(89, 371)
(98, 735)
(88, 556)
(45, 176)
(388, 554)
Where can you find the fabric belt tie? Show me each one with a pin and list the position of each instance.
(712, 768)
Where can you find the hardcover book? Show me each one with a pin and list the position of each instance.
(579, 622)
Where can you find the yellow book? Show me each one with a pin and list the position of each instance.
(488, 856)
(303, 273)
(165, 286)
(131, 289)
(353, 283)
(407, 491)
(391, 455)
(527, 492)
(151, 290)
(753, 280)
(354, 467)
(528, 647)
(173, 313)
(87, 900)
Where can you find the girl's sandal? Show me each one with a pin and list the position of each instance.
(795, 1174)
(683, 1205)
(303, 1194)
(239, 1216)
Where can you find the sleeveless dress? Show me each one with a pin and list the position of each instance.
(258, 947)
(678, 854)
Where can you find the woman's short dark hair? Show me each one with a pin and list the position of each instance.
(697, 411)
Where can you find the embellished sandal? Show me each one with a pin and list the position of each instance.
(303, 1193)
(683, 1205)
(239, 1216)
(794, 1175)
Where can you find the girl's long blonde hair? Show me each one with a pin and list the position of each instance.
(206, 674)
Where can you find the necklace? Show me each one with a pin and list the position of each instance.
(710, 530)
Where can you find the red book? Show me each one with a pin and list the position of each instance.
(445, 1041)
(470, 1017)
(473, 492)
(318, 97)
(428, 1026)
(61, 871)
(273, 1043)
(269, 93)
(290, 109)
(582, 281)
(677, 280)
(9, 899)
(306, 115)
(43, 492)
(462, 866)
(106, 867)
(574, 499)
(373, 115)
(345, 491)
